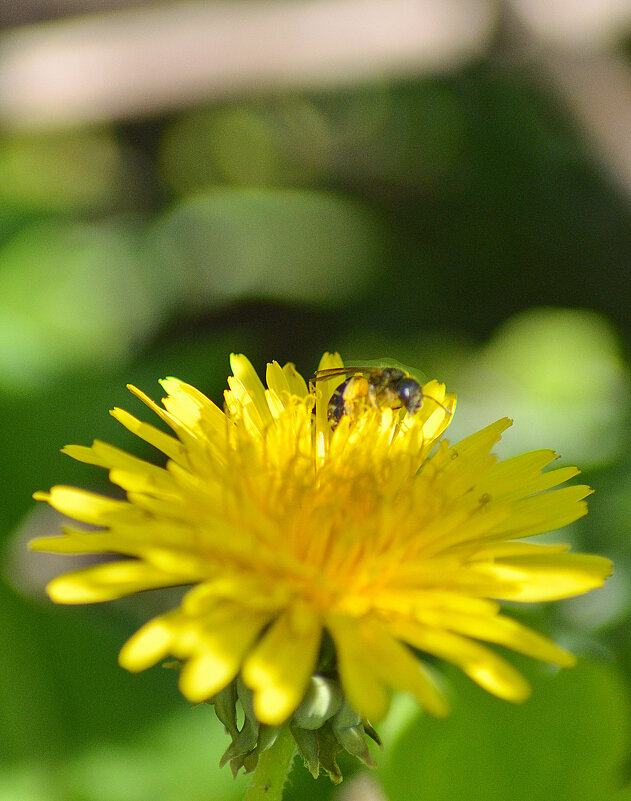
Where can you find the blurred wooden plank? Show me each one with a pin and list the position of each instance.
(577, 49)
(144, 60)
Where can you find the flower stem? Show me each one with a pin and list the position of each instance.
(272, 769)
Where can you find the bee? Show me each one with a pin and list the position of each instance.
(373, 386)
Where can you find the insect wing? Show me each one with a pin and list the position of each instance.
(370, 367)
(344, 372)
(413, 372)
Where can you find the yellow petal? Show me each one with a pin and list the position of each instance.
(280, 666)
(436, 411)
(214, 645)
(208, 415)
(163, 414)
(249, 389)
(297, 384)
(511, 634)
(275, 403)
(481, 664)
(276, 379)
(500, 550)
(90, 507)
(102, 454)
(330, 361)
(74, 541)
(108, 581)
(183, 405)
(480, 443)
(362, 682)
(514, 472)
(546, 511)
(150, 644)
(148, 482)
(82, 454)
(204, 674)
(163, 442)
(521, 476)
(398, 667)
(549, 577)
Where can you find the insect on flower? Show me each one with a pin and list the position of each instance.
(326, 562)
(371, 385)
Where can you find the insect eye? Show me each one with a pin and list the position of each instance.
(407, 386)
(410, 393)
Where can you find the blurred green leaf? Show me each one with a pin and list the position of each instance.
(292, 245)
(560, 375)
(566, 743)
(72, 295)
(69, 171)
(176, 758)
(76, 726)
(382, 134)
(234, 144)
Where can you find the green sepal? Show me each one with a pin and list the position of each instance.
(225, 709)
(353, 740)
(372, 734)
(245, 741)
(348, 728)
(329, 748)
(308, 747)
(246, 698)
(248, 763)
(267, 737)
(322, 726)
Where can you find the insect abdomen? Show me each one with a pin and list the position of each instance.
(337, 404)
(356, 389)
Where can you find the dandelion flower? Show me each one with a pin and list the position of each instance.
(320, 558)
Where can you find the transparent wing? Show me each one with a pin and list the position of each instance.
(419, 375)
(370, 367)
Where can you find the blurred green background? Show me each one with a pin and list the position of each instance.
(471, 218)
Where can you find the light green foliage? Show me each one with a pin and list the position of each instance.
(568, 742)
(456, 223)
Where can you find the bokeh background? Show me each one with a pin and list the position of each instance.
(443, 182)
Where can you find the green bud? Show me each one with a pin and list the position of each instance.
(322, 726)
(345, 718)
(321, 701)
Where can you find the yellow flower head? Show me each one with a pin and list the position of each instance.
(372, 536)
